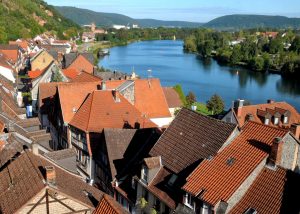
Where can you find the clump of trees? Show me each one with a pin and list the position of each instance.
(215, 104)
(246, 48)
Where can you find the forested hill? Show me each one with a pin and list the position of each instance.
(84, 16)
(232, 22)
(27, 18)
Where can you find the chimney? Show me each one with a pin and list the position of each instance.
(103, 85)
(238, 105)
(249, 117)
(99, 87)
(295, 129)
(270, 101)
(116, 96)
(50, 175)
(276, 152)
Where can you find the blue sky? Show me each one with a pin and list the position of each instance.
(186, 10)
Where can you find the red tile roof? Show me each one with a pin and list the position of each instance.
(35, 74)
(172, 97)
(281, 107)
(273, 191)
(86, 77)
(23, 44)
(108, 205)
(2, 126)
(82, 64)
(11, 55)
(100, 110)
(72, 96)
(71, 73)
(216, 180)
(47, 91)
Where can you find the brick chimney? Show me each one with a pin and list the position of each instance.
(50, 175)
(295, 129)
(276, 151)
(238, 107)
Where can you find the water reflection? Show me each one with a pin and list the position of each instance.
(245, 76)
(288, 85)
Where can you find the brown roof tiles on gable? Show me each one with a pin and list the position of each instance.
(85, 77)
(260, 110)
(71, 73)
(72, 96)
(47, 92)
(217, 179)
(82, 64)
(102, 110)
(273, 191)
(108, 205)
(172, 97)
(117, 141)
(24, 178)
(189, 138)
(153, 162)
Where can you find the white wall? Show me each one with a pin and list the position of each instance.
(160, 122)
(7, 73)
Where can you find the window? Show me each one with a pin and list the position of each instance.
(189, 200)
(276, 120)
(267, 121)
(204, 209)
(285, 120)
(250, 211)
(172, 180)
(144, 175)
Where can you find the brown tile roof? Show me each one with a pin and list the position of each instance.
(23, 179)
(100, 110)
(281, 107)
(150, 98)
(11, 55)
(153, 162)
(86, 77)
(172, 97)
(82, 64)
(189, 138)
(47, 92)
(10, 103)
(108, 205)
(217, 179)
(23, 44)
(69, 101)
(117, 141)
(273, 191)
(71, 73)
(159, 188)
(2, 126)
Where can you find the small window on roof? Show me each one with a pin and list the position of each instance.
(172, 180)
(285, 119)
(250, 211)
(230, 161)
(267, 121)
(276, 120)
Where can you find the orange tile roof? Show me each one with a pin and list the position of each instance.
(47, 90)
(100, 110)
(82, 64)
(252, 109)
(23, 44)
(2, 144)
(215, 180)
(108, 205)
(35, 74)
(86, 77)
(11, 55)
(2, 126)
(72, 96)
(113, 84)
(71, 73)
(273, 191)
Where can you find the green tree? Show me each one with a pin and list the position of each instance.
(190, 44)
(257, 63)
(215, 104)
(296, 45)
(236, 55)
(190, 99)
(56, 77)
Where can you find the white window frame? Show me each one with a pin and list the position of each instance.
(285, 119)
(267, 121)
(276, 120)
(188, 201)
(144, 173)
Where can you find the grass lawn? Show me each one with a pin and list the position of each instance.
(201, 108)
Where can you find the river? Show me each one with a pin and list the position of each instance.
(168, 62)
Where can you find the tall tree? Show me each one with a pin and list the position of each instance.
(215, 104)
(190, 99)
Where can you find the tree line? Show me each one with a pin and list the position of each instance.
(248, 48)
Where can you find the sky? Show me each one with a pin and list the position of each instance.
(186, 10)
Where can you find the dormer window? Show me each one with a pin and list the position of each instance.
(144, 174)
(188, 201)
(276, 120)
(250, 211)
(267, 121)
(285, 119)
(172, 180)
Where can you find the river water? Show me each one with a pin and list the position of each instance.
(168, 62)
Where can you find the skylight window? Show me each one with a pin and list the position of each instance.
(230, 161)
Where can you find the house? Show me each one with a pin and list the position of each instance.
(276, 114)
(41, 61)
(14, 55)
(147, 96)
(25, 45)
(219, 183)
(81, 63)
(48, 74)
(173, 100)
(30, 183)
(101, 109)
(88, 36)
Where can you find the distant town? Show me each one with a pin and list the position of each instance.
(79, 138)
